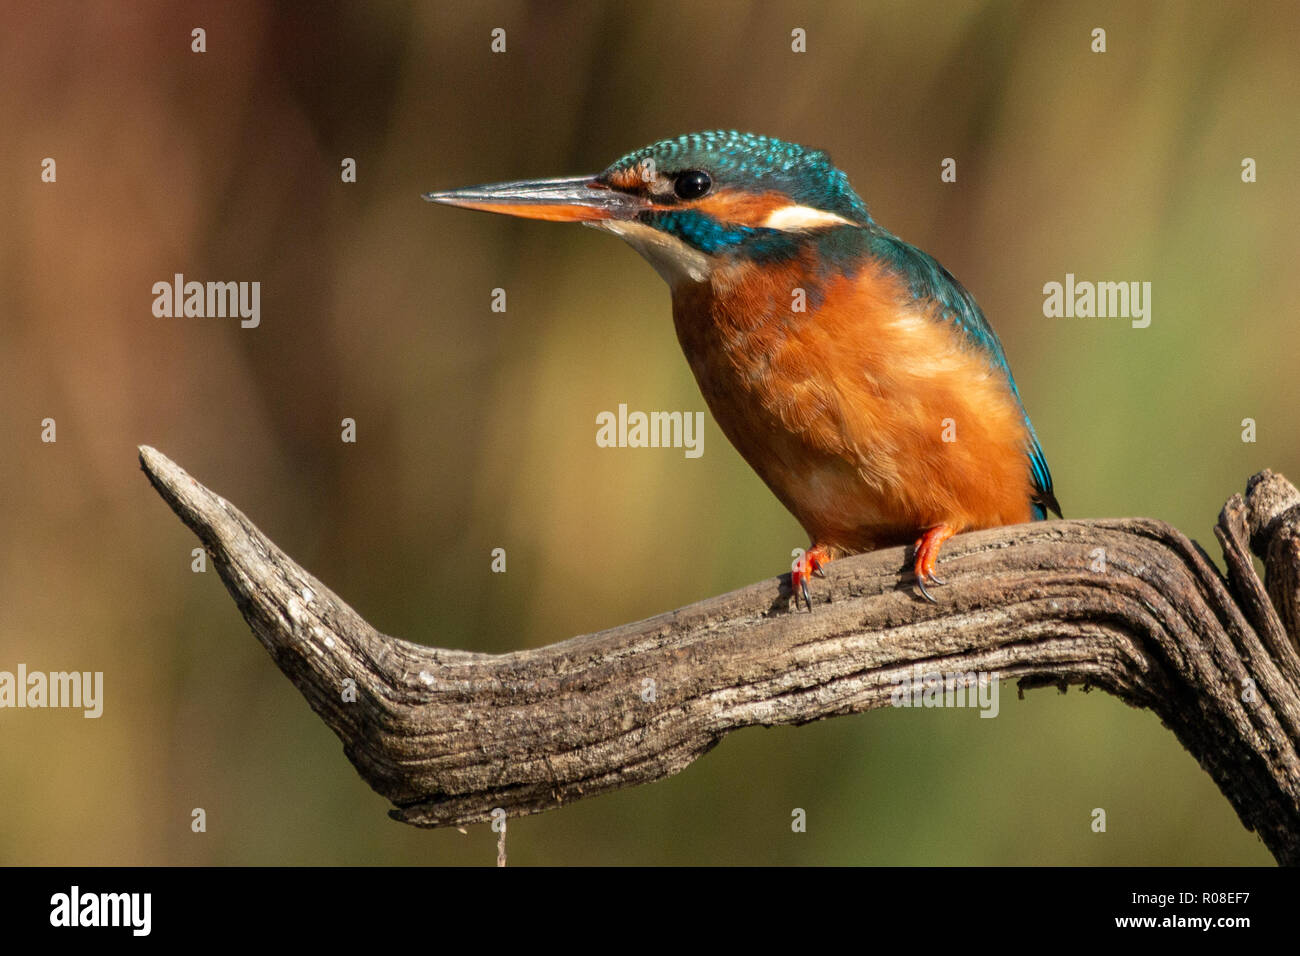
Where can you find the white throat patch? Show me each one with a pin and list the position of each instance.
(673, 259)
(678, 262)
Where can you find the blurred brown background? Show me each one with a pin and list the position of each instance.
(476, 429)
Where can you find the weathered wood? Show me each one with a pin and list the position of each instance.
(1130, 606)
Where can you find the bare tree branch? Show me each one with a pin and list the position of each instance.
(1130, 606)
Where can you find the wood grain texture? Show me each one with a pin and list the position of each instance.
(448, 735)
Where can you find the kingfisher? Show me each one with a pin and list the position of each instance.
(854, 374)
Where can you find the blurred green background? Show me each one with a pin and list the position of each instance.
(476, 429)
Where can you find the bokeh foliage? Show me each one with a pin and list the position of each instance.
(476, 429)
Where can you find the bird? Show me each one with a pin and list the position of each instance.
(856, 376)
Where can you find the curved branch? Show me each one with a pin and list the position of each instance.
(1130, 606)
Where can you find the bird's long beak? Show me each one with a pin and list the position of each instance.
(574, 199)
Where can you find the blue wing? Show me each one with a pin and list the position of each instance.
(930, 280)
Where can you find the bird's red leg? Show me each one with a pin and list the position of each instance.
(927, 554)
(805, 566)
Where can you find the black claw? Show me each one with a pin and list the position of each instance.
(935, 579)
(819, 572)
(920, 583)
(807, 598)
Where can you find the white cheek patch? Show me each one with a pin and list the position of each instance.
(802, 217)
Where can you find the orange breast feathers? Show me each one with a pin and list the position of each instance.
(869, 418)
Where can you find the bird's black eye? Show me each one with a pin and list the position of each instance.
(692, 184)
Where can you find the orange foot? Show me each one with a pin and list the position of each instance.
(805, 566)
(927, 554)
